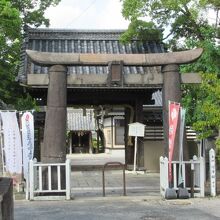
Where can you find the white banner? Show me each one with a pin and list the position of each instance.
(12, 143)
(27, 121)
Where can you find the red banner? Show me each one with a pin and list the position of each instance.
(173, 121)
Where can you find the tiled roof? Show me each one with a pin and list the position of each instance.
(83, 41)
(77, 121)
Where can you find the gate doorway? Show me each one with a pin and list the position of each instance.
(81, 141)
(86, 178)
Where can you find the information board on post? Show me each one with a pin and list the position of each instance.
(136, 130)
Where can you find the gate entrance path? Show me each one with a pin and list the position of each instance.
(86, 178)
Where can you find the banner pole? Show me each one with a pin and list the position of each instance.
(2, 151)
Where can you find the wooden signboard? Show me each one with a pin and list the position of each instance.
(136, 129)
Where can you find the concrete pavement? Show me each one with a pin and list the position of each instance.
(119, 208)
(143, 200)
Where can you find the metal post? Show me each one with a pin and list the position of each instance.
(124, 183)
(112, 134)
(103, 181)
(192, 179)
(135, 154)
(70, 143)
(2, 152)
(103, 176)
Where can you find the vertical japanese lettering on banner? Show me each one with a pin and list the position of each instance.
(27, 122)
(12, 143)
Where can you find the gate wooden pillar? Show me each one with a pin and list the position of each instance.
(54, 146)
(128, 149)
(171, 92)
(140, 144)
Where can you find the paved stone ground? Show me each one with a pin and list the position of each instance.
(89, 183)
(95, 159)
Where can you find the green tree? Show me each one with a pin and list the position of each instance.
(14, 16)
(207, 117)
(185, 25)
(177, 19)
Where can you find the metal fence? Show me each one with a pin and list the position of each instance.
(195, 167)
(48, 181)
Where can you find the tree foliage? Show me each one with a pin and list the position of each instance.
(177, 19)
(185, 25)
(144, 31)
(14, 16)
(207, 105)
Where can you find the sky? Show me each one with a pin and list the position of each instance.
(91, 14)
(87, 14)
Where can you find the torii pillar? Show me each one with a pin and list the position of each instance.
(171, 92)
(54, 144)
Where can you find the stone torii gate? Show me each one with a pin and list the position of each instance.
(55, 125)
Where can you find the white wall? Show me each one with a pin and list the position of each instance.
(108, 135)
